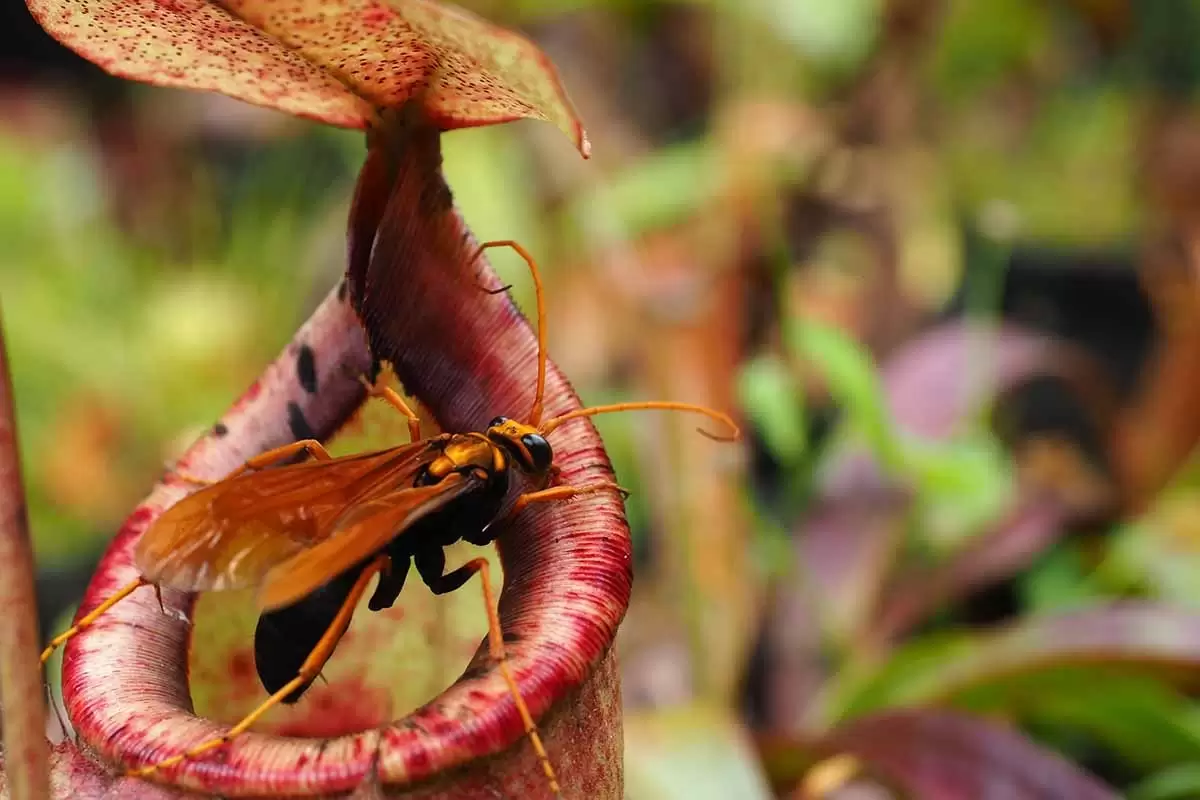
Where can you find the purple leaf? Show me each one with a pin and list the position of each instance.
(1012, 543)
(939, 755)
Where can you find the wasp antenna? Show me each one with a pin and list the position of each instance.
(535, 414)
(736, 434)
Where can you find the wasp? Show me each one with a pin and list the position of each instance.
(311, 536)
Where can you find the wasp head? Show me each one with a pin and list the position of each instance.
(527, 447)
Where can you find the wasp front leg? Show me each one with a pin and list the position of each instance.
(564, 493)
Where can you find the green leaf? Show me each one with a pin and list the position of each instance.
(768, 394)
(1157, 554)
(837, 34)
(962, 484)
(663, 188)
(908, 676)
(690, 754)
(853, 382)
(982, 41)
(1059, 581)
(1179, 782)
(1138, 716)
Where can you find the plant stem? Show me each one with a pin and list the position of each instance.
(21, 687)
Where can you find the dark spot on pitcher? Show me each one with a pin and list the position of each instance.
(298, 424)
(306, 369)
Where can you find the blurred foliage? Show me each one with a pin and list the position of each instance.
(122, 350)
(789, 201)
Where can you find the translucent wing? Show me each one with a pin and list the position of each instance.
(363, 531)
(229, 535)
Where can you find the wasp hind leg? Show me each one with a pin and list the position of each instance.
(430, 564)
(86, 621)
(308, 672)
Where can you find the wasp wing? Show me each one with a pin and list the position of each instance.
(229, 535)
(361, 533)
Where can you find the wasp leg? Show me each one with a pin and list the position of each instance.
(308, 672)
(564, 493)
(196, 479)
(87, 620)
(391, 583)
(393, 398)
(430, 564)
(310, 447)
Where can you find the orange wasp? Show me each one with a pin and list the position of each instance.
(312, 535)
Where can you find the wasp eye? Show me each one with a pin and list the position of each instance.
(498, 421)
(539, 451)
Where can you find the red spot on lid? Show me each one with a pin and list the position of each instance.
(377, 16)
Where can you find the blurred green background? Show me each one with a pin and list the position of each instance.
(940, 255)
